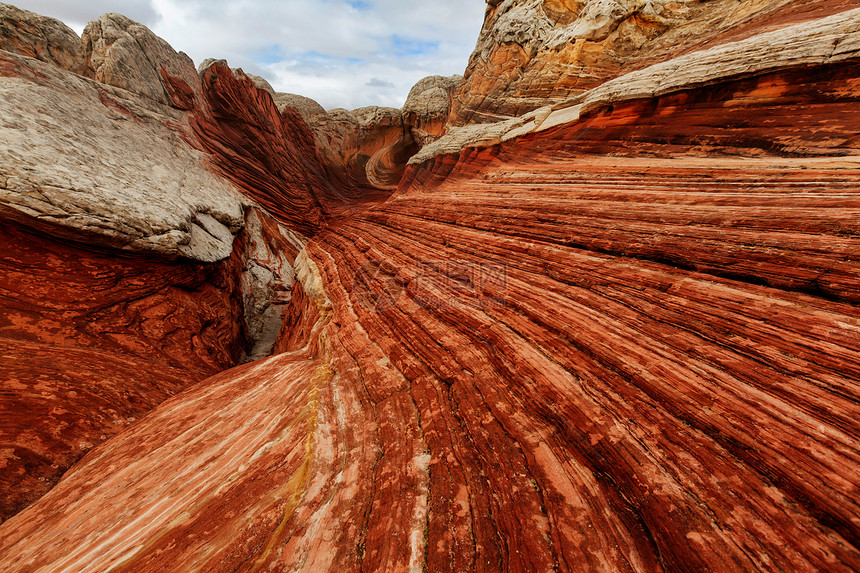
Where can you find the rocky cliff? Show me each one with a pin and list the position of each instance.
(534, 52)
(608, 326)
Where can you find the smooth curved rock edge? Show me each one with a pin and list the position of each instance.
(819, 42)
(629, 343)
(99, 340)
(98, 164)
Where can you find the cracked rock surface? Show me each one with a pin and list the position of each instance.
(609, 323)
(92, 162)
(533, 53)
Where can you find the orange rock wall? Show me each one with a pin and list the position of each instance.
(513, 72)
(270, 155)
(628, 343)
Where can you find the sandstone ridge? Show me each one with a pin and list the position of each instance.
(818, 43)
(375, 143)
(537, 52)
(608, 320)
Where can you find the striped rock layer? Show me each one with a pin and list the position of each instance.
(627, 340)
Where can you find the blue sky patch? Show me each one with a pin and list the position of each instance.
(359, 5)
(378, 83)
(408, 47)
(313, 58)
(270, 55)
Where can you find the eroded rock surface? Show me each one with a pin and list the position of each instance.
(125, 54)
(40, 37)
(91, 342)
(617, 333)
(533, 53)
(267, 279)
(427, 108)
(824, 42)
(372, 145)
(126, 275)
(269, 155)
(88, 162)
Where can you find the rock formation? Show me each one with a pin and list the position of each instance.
(122, 53)
(609, 324)
(41, 38)
(156, 281)
(428, 106)
(375, 143)
(122, 198)
(825, 43)
(534, 52)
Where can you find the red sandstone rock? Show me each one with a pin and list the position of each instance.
(629, 341)
(93, 341)
(371, 145)
(106, 336)
(267, 154)
(534, 53)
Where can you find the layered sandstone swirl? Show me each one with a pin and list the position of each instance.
(592, 306)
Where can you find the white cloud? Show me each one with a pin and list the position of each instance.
(77, 14)
(343, 53)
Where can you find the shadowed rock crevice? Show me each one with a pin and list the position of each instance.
(105, 337)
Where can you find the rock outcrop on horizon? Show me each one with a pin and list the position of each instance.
(537, 52)
(594, 307)
(374, 144)
(428, 106)
(42, 38)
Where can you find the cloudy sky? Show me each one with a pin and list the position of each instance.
(342, 53)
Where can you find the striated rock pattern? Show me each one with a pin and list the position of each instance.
(533, 53)
(518, 402)
(268, 155)
(618, 333)
(824, 43)
(92, 341)
(373, 143)
(121, 313)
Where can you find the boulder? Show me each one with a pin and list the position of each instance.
(40, 37)
(427, 107)
(122, 53)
